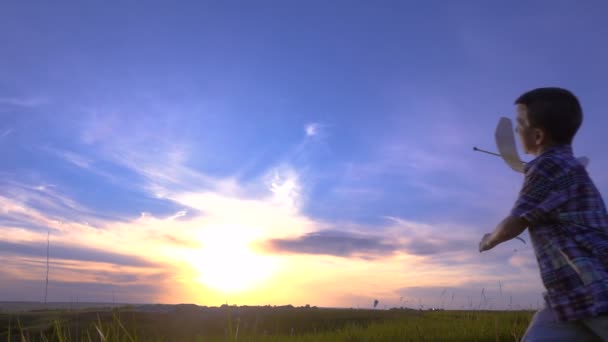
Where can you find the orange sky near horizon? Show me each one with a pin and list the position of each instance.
(222, 255)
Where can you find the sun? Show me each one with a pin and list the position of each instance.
(227, 263)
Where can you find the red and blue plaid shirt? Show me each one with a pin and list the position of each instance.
(568, 225)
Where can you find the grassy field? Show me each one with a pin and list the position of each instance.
(191, 323)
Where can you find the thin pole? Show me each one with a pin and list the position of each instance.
(48, 243)
(488, 152)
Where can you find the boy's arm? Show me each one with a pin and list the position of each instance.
(506, 230)
(537, 202)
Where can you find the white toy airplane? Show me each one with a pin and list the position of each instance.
(505, 141)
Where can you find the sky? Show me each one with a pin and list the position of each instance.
(278, 152)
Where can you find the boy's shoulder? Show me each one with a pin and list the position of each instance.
(556, 161)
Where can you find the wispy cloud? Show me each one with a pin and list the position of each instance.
(81, 161)
(285, 187)
(370, 246)
(426, 245)
(159, 160)
(80, 252)
(70, 157)
(61, 251)
(436, 169)
(21, 101)
(42, 205)
(312, 129)
(6, 132)
(525, 260)
(335, 243)
(86, 284)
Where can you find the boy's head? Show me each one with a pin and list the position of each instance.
(547, 117)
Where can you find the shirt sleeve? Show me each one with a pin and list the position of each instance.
(540, 199)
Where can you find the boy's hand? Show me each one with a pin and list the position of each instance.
(507, 229)
(486, 243)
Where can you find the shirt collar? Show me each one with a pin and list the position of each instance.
(556, 149)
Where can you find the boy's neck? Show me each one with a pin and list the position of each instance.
(545, 147)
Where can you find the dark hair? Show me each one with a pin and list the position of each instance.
(556, 110)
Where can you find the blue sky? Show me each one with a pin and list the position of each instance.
(330, 135)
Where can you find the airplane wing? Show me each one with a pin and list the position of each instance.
(505, 141)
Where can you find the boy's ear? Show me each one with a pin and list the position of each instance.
(540, 136)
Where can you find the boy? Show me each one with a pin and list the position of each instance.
(566, 218)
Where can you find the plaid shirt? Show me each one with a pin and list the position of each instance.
(568, 225)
